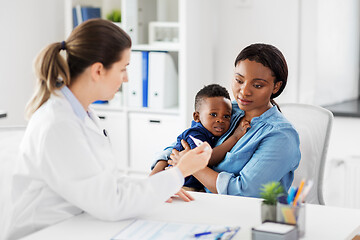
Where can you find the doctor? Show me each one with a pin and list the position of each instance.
(66, 165)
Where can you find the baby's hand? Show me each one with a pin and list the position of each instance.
(241, 129)
(245, 125)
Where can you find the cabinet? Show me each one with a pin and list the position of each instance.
(136, 132)
(342, 180)
(150, 133)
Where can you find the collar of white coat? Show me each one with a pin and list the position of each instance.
(89, 118)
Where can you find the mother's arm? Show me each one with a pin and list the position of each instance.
(275, 159)
(208, 178)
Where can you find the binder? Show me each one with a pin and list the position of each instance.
(77, 15)
(75, 19)
(163, 81)
(145, 80)
(90, 12)
(130, 19)
(81, 14)
(134, 89)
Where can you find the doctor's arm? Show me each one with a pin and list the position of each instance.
(79, 176)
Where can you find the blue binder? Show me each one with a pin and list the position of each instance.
(75, 19)
(90, 12)
(85, 13)
(145, 77)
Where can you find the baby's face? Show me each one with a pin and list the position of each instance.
(215, 114)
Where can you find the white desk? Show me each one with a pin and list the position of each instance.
(321, 222)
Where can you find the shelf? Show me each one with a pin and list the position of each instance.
(156, 47)
(109, 107)
(170, 111)
(346, 109)
(2, 114)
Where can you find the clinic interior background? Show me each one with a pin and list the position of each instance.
(319, 38)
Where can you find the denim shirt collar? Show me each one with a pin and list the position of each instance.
(237, 114)
(265, 115)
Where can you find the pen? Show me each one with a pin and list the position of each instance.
(228, 229)
(230, 235)
(291, 195)
(219, 236)
(306, 190)
(298, 192)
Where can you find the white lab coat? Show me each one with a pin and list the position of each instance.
(66, 166)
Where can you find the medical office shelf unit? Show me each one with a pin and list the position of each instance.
(138, 133)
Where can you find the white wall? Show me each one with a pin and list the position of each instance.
(329, 52)
(262, 21)
(319, 39)
(26, 27)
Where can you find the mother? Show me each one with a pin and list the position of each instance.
(269, 151)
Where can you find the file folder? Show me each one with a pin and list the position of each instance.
(90, 12)
(130, 19)
(145, 80)
(81, 14)
(134, 89)
(75, 18)
(163, 81)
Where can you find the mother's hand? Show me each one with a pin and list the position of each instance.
(176, 155)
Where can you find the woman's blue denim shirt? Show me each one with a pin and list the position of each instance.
(269, 151)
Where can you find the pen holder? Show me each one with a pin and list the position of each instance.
(268, 212)
(290, 214)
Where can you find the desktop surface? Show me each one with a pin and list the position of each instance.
(322, 222)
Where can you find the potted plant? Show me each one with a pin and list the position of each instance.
(115, 16)
(270, 192)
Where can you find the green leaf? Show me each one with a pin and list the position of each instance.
(114, 16)
(270, 191)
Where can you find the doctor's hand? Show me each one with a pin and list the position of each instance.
(176, 155)
(194, 159)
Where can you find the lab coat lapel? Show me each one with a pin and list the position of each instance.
(93, 123)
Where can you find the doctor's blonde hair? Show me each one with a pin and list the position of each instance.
(95, 40)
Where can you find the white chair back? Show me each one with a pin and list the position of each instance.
(313, 123)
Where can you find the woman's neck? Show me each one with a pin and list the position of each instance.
(249, 115)
(82, 92)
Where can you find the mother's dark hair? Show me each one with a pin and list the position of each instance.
(270, 57)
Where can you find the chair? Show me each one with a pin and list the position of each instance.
(313, 123)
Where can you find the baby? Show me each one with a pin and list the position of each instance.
(211, 120)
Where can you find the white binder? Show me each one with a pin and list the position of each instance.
(163, 81)
(130, 19)
(134, 89)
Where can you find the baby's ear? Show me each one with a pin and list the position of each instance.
(196, 116)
